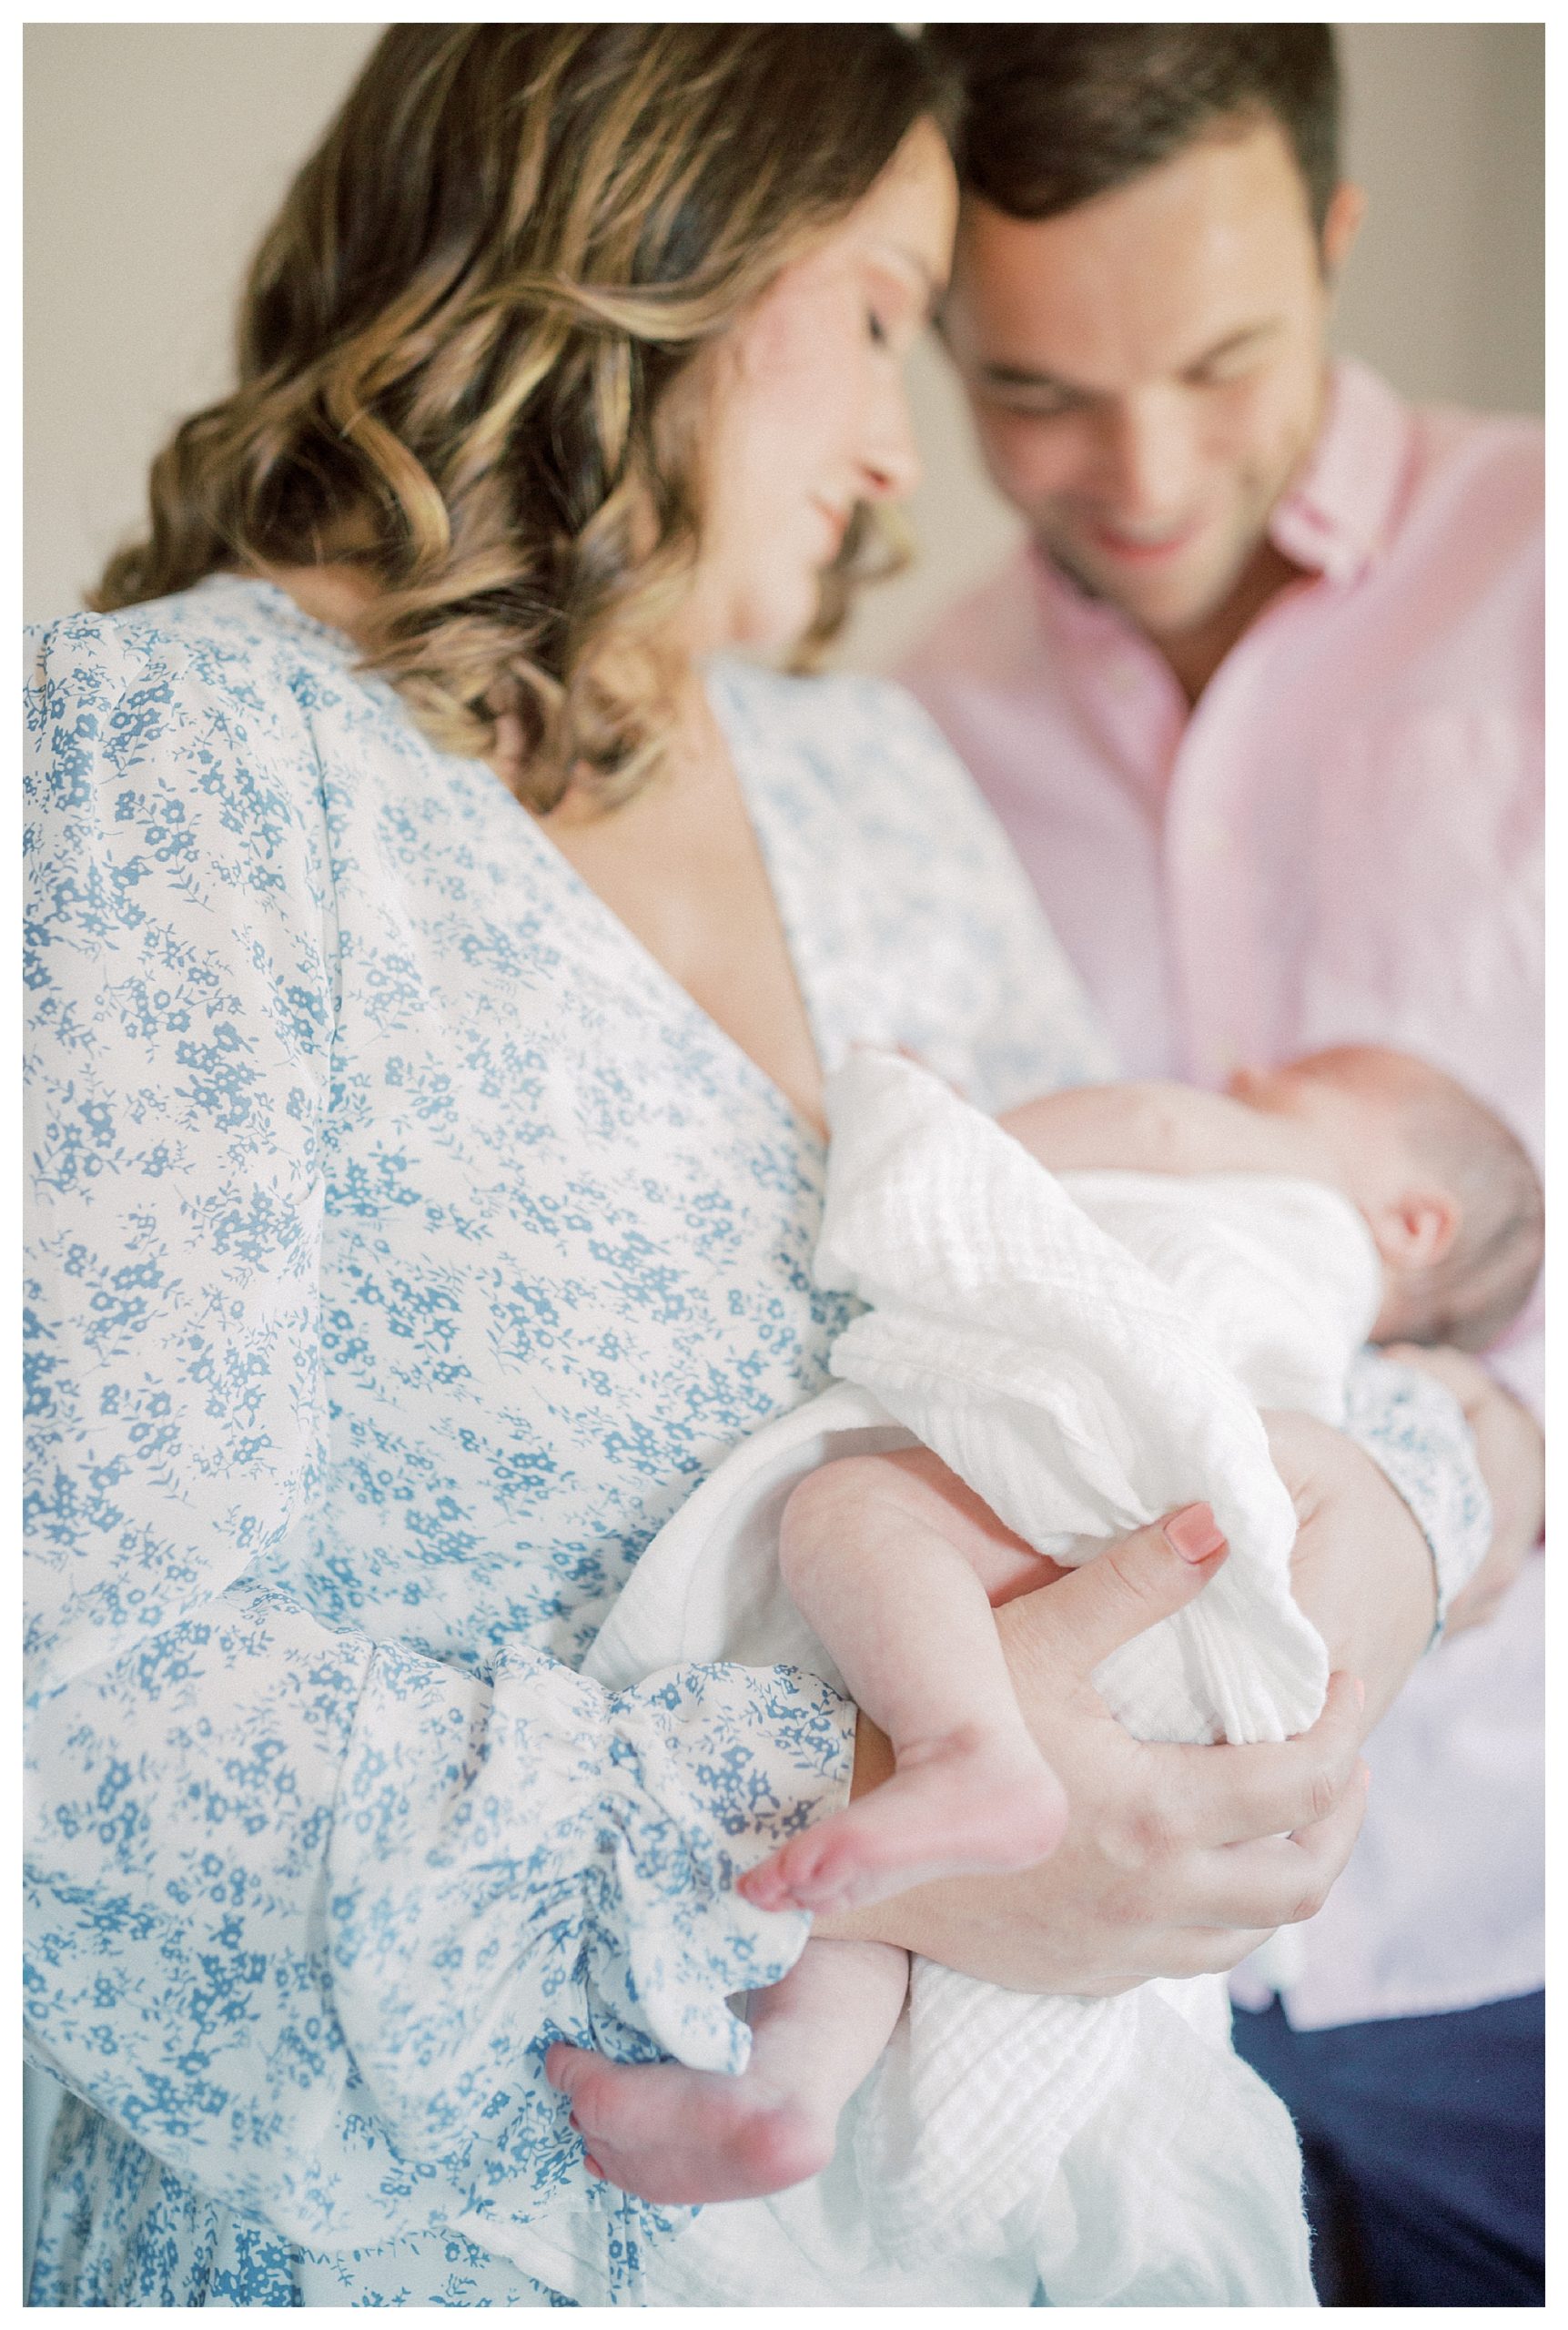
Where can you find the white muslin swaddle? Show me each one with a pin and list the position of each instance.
(1087, 1353)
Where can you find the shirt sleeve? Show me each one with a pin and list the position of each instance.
(305, 1908)
(1414, 1431)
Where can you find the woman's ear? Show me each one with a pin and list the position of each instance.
(1416, 1229)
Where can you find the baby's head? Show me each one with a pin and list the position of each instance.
(1449, 1195)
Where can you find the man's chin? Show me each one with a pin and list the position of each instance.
(1165, 605)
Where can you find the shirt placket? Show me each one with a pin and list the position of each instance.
(1131, 704)
(1126, 693)
(1212, 905)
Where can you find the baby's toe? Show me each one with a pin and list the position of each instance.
(564, 2065)
(767, 1888)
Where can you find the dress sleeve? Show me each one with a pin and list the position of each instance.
(305, 1908)
(1415, 1432)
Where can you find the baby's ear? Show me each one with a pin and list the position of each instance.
(1417, 1229)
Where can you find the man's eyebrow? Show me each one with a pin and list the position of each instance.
(1025, 376)
(1263, 330)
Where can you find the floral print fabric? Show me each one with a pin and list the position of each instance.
(406, 1247)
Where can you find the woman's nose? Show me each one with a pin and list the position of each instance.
(890, 457)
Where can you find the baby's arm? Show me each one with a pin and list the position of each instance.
(1158, 1129)
(895, 1565)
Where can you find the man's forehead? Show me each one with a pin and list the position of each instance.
(1179, 259)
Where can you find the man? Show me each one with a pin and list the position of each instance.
(1260, 705)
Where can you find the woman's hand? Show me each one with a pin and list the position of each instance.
(1176, 1859)
(1512, 1454)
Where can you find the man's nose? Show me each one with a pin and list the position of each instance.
(1147, 456)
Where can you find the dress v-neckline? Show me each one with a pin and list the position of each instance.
(784, 906)
(718, 690)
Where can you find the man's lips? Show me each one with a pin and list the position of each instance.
(1142, 550)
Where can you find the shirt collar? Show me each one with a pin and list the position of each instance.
(1336, 518)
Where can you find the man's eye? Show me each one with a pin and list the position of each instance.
(1032, 405)
(1224, 368)
(876, 329)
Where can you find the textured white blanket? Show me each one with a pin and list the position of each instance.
(1082, 1382)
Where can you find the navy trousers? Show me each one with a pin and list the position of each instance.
(1424, 2139)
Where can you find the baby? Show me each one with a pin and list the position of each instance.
(896, 1567)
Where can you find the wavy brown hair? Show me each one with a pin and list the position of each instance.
(458, 338)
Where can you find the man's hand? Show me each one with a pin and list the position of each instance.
(1176, 1859)
(1512, 1454)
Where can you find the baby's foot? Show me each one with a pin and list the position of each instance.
(961, 1805)
(681, 2136)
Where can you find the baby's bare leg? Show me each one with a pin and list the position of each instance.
(895, 1567)
(682, 2136)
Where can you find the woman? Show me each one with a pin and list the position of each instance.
(427, 1163)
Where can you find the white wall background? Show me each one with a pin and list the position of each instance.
(156, 153)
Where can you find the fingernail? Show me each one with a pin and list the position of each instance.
(1194, 1533)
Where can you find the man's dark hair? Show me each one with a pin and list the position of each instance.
(1058, 113)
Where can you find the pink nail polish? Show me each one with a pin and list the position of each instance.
(1194, 1533)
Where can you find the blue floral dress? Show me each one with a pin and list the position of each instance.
(406, 1246)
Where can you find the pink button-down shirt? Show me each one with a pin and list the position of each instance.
(1341, 842)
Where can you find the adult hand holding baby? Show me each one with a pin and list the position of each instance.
(1176, 1859)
